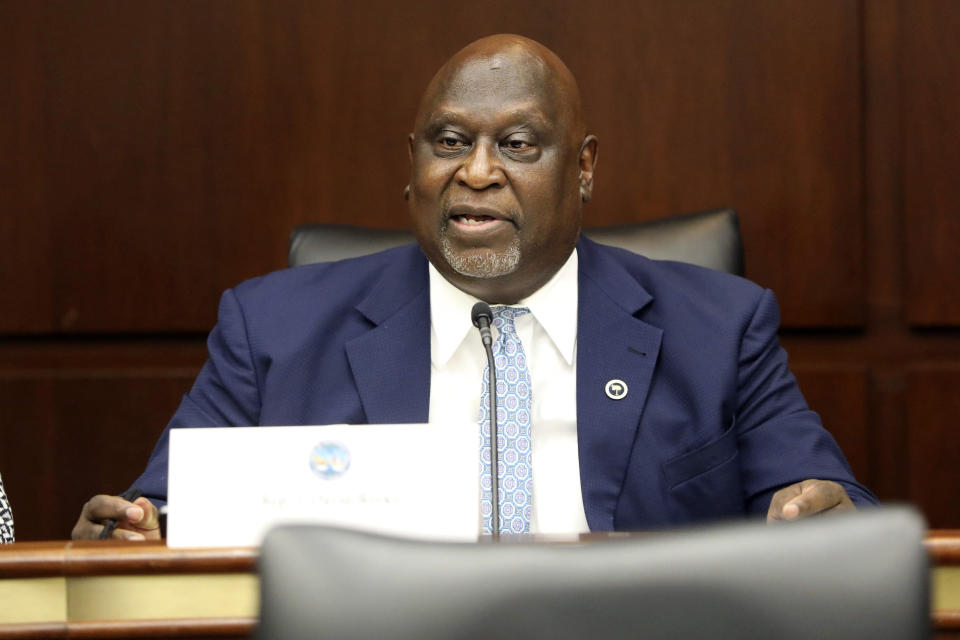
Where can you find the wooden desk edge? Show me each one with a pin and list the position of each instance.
(182, 628)
(946, 620)
(944, 547)
(46, 559)
(118, 557)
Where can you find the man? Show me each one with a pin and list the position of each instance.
(661, 395)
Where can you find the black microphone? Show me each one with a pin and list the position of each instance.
(482, 316)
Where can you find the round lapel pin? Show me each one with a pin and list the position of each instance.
(616, 389)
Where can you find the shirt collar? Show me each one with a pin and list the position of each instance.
(554, 306)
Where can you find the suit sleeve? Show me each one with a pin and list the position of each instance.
(225, 394)
(781, 441)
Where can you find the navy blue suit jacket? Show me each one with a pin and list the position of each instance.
(713, 423)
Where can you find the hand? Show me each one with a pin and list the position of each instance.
(137, 520)
(808, 498)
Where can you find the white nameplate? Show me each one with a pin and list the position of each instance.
(228, 486)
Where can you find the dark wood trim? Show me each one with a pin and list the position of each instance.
(944, 547)
(947, 620)
(33, 630)
(118, 557)
(196, 628)
(86, 558)
(181, 628)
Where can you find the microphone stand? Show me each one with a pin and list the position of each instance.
(482, 317)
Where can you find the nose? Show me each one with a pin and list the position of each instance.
(482, 168)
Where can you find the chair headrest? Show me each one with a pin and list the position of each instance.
(707, 238)
(859, 575)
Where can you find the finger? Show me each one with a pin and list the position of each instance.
(104, 507)
(142, 522)
(95, 512)
(135, 520)
(127, 534)
(816, 496)
(780, 498)
(85, 529)
(142, 516)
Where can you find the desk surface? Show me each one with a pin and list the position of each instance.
(111, 589)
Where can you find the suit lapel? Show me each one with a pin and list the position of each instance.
(612, 344)
(391, 362)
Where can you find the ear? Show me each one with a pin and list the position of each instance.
(406, 189)
(588, 164)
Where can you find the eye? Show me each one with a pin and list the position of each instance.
(518, 144)
(451, 141)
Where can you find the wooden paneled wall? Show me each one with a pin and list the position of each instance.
(153, 154)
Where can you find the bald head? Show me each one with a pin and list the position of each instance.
(510, 58)
(500, 166)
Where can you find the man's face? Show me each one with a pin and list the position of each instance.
(494, 185)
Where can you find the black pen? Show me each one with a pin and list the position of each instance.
(129, 495)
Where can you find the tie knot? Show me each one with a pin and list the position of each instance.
(503, 316)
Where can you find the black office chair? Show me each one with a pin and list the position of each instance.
(707, 238)
(852, 576)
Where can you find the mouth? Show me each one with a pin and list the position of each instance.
(472, 219)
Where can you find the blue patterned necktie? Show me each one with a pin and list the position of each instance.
(514, 406)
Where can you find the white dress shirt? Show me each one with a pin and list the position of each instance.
(549, 337)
